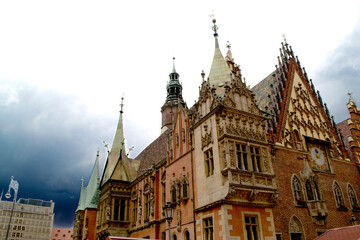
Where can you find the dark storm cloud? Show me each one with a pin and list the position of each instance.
(340, 75)
(48, 141)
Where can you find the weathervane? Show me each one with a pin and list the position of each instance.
(349, 93)
(106, 145)
(215, 27)
(228, 45)
(122, 104)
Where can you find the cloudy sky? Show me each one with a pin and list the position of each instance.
(64, 66)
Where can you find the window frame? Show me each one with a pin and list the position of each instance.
(251, 225)
(208, 229)
(209, 162)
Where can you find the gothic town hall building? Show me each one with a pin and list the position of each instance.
(254, 164)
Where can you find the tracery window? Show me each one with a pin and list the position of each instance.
(339, 199)
(296, 229)
(352, 198)
(296, 185)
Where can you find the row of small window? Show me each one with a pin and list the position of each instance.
(313, 193)
(247, 157)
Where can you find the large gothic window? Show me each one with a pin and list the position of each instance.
(352, 198)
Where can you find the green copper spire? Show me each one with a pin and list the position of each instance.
(89, 196)
(174, 87)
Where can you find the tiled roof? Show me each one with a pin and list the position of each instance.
(262, 90)
(348, 233)
(155, 152)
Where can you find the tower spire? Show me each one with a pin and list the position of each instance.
(220, 72)
(119, 141)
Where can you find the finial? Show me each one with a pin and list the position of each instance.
(106, 145)
(122, 104)
(82, 181)
(174, 64)
(284, 36)
(228, 45)
(215, 28)
(98, 150)
(203, 75)
(349, 93)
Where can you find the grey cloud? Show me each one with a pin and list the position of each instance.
(48, 141)
(340, 75)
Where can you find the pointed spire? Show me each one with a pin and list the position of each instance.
(220, 72)
(174, 71)
(119, 141)
(351, 100)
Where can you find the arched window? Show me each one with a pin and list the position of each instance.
(296, 229)
(174, 237)
(309, 191)
(338, 196)
(296, 188)
(186, 235)
(352, 197)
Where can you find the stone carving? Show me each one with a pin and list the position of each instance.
(178, 218)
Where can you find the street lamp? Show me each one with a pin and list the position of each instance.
(169, 213)
(353, 220)
(13, 185)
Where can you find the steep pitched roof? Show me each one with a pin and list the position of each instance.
(262, 91)
(118, 165)
(89, 196)
(220, 73)
(155, 152)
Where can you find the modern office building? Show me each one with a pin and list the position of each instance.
(31, 219)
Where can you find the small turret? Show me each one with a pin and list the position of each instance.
(173, 99)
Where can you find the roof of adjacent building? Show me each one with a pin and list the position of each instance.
(35, 202)
(348, 233)
(61, 233)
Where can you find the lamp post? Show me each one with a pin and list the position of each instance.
(13, 185)
(169, 213)
(353, 220)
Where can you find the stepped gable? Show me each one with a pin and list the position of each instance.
(262, 91)
(155, 152)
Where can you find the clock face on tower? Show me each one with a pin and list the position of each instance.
(318, 155)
